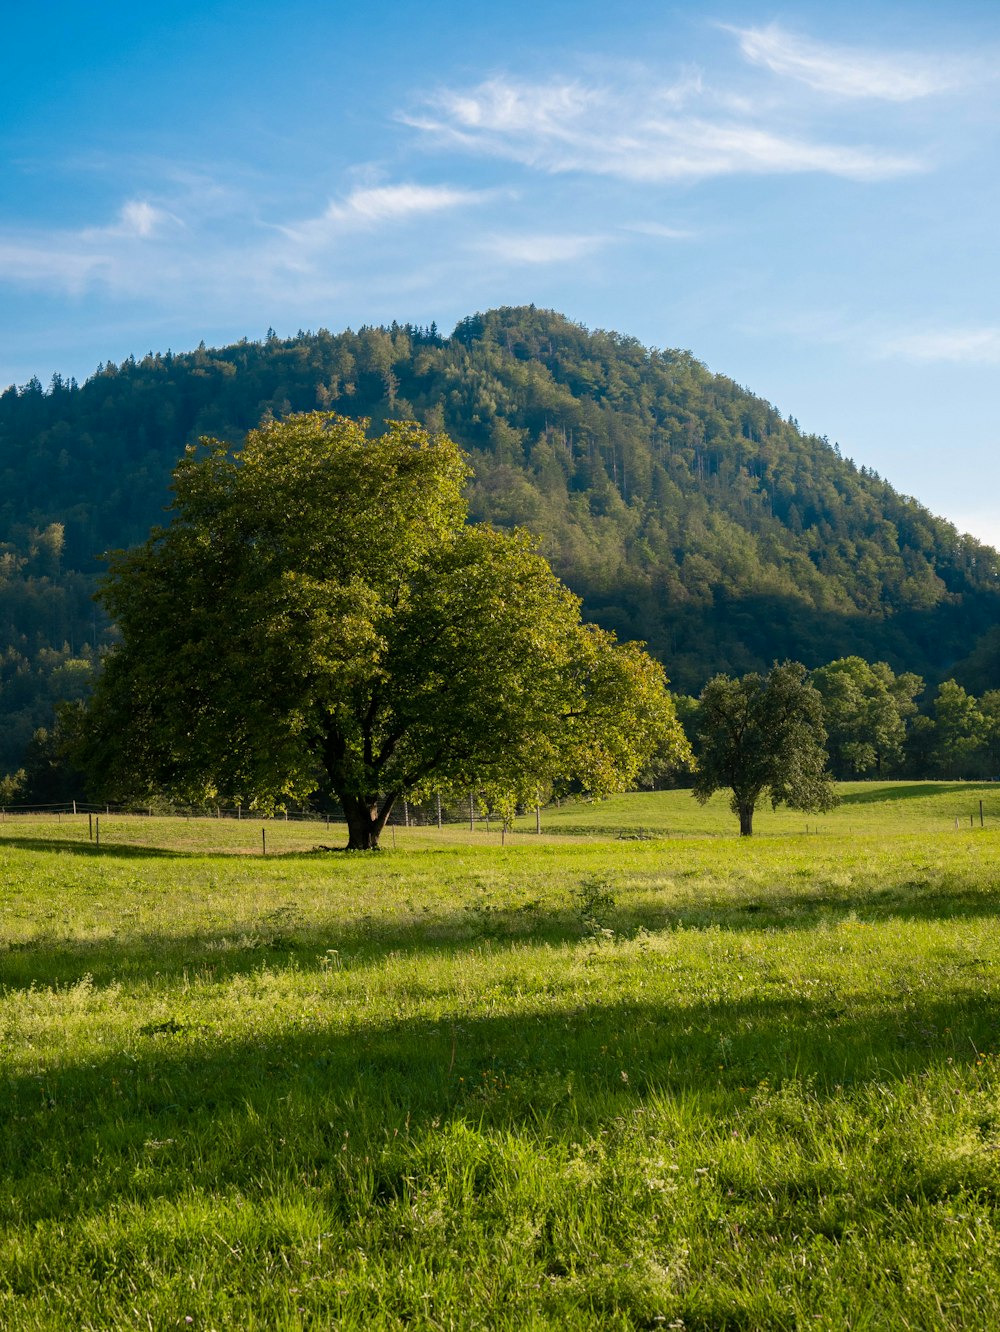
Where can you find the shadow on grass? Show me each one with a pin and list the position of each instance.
(115, 850)
(286, 937)
(915, 791)
(110, 849)
(179, 1109)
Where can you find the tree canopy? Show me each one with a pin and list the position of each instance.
(763, 736)
(319, 617)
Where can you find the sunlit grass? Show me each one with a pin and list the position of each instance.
(698, 1083)
(865, 807)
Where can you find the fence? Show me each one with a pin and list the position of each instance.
(405, 814)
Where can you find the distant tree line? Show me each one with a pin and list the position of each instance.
(876, 724)
(873, 725)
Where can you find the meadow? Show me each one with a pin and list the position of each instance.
(631, 1073)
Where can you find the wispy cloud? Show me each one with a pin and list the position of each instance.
(142, 219)
(75, 260)
(847, 71)
(971, 346)
(53, 260)
(659, 230)
(375, 206)
(207, 238)
(539, 249)
(635, 134)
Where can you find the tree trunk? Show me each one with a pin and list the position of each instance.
(746, 820)
(365, 821)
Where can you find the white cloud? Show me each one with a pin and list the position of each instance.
(140, 218)
(147, 251)
(540, 249)
(659, 230)
(374, 206)
(393, 203)
(559, 127)
(703, 148)
(971, 346)
(849, 71)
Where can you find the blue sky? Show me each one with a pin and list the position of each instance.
(805, 196)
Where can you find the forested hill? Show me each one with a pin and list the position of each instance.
(685, 510)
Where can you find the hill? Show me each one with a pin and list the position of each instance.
(682, 508)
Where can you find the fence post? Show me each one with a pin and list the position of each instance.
(538, 818)
(263, 841)
(472, 811)
(439, 810)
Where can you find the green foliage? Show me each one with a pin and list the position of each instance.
(959, 730)
(864, 712)
(989, 709)
(685, 511)
(318, 616)
(48, 632)
(50, 775)
(763, 735)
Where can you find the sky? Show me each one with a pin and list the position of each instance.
(805, 196)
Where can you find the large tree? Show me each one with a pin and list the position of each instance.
(762, 736)
(319, 617)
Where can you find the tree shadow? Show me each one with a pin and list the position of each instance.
(285, 936)
(911, 791)
(179, 1109)
(114, 850)
(135, 850)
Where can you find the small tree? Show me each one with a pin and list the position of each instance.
(318, 617)
(763, 736)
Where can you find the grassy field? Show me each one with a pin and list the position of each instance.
(865, 807)
(591, 1079)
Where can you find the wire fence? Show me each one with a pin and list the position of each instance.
(470, 812)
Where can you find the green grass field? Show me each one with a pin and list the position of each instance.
(633, 1073)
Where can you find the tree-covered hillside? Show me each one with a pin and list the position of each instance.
(682, 508)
